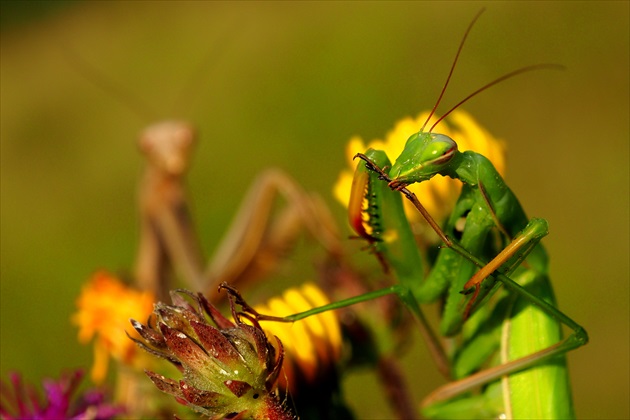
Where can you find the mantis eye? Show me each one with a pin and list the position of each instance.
(441, 149)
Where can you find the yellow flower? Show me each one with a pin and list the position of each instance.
(439, 194)
(104, 308)
(312, 345)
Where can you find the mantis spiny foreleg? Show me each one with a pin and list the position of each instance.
(252, 246)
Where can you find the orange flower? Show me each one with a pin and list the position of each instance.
(104, 308)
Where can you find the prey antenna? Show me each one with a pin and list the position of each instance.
(500, 79)
(450, 73)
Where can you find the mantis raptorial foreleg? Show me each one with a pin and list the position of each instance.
(252, 245)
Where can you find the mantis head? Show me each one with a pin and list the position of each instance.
(425, 155)
(167, 146)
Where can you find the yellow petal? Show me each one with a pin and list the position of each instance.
(296, 334)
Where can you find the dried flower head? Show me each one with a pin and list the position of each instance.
(228, 370)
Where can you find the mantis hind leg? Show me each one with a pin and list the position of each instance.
(508, 259)
(532, 368)
(501, 265)
(252, 246)
(530, 379)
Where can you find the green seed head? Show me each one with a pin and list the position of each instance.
(228, 368)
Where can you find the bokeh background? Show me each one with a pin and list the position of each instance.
(287, 85)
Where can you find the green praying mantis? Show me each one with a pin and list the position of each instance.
(510, 340)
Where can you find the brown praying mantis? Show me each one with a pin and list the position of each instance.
(250, 248)
(168, 243)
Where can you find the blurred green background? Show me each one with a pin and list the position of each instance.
(293, 83)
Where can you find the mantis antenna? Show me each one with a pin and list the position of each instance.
(106, 84)
(450, 73)
(500, 79)
(135, 104)
(215, 54)
(481, 89)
